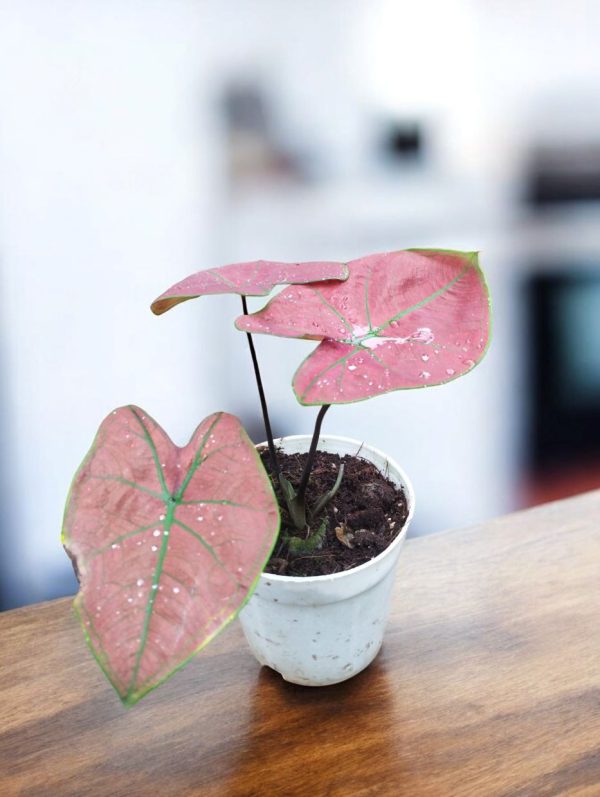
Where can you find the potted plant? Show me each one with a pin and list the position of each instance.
(170, 543)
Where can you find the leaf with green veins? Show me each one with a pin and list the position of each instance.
(407, 319)
(257, 278)
(168, 542)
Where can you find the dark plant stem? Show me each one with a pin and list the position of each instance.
(263, 400)
(311, 453)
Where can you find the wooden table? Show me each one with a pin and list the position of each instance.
(488, 685)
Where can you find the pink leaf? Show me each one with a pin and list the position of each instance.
(247, 279)
(168, 542)
(407, 319)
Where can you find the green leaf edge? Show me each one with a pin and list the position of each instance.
(132, 698)
(473, 257)
(181, 298)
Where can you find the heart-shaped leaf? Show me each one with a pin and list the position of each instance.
(405, 319)
(257, 278)
(168, 542)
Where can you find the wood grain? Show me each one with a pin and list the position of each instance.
(488, 685)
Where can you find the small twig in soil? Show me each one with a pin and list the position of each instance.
(263, 400)
(314, 556)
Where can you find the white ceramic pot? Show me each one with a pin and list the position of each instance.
(321, 630)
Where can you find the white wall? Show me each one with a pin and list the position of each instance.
(103, 166)
(111, 188)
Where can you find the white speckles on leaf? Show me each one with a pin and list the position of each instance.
(423, 335)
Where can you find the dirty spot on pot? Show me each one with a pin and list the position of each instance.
(300, 677)
(314, 657)
(347, 666)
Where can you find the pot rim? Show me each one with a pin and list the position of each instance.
(410, 497)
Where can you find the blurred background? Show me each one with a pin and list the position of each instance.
(144, 140)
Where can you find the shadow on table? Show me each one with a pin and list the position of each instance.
(300, 737)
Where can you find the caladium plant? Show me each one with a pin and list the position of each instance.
(402, 320)
(169, 542)
(407, 319)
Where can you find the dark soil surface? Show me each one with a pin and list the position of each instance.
(363, 518)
